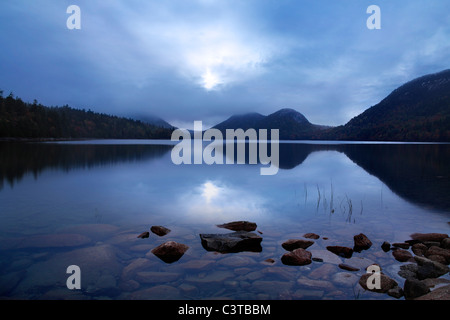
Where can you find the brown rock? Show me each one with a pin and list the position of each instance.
(293, 244)
(419, 249)
(239, 226)
(386, 246)
(144, 235)
(297, 257)
(311, 235)
(386, 283)
(402, 245)
(361, 242)
(437, 251)
(170, 251)
(159, 230)
(429, 236)
(402, 255)
(341, 251)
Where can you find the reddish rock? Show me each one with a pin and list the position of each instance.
(402, 255)
(419, 249)
(159, 230)
(293, 244)
(170, 251)
(297, 257)
(437, 251)
(239, 226)
(311, 235)
(341, 251)
(361, 242)
(438, 237)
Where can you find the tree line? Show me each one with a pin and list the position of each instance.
(19, 119)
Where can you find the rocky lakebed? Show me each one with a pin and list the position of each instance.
(239, 261)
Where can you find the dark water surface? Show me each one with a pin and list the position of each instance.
(85, 203)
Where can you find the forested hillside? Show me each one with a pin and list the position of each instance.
(19, 119)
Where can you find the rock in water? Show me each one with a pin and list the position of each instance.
(402, 255)
(144, 235)
(239, 226)
(438, 237)
(159, 230)
(293, 244)
(361, 242)
(297, 257)
(341, 251)
(385, 283)
(170, 251)
(232, 242)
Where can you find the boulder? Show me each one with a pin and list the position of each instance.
(445, 243)
(437, 237)
(232, 242)
(293, 244)
(386, 246)
(239, 226)
(386, 283)
(419, 249)
(402, 255)
(437, 251)
(414, 288)
(429, 268)
(361, 242)
(341, 251)
(170, 251)
(159, 230)
(297, 257)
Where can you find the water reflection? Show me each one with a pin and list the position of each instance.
(418, 173)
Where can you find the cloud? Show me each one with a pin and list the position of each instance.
(207, 60)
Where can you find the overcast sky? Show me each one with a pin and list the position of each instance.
(186, 60)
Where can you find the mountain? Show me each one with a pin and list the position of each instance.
(291, 123)
(416, 111)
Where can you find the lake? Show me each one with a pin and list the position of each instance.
(84, 203)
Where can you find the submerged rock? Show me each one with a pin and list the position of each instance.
(170, 251)
(297, 257)
(239, 226)
(159, 230)
(293, 244)
(232, 242)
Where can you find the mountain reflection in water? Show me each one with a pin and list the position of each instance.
(419, 173)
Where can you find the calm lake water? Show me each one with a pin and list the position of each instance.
(85, 203)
